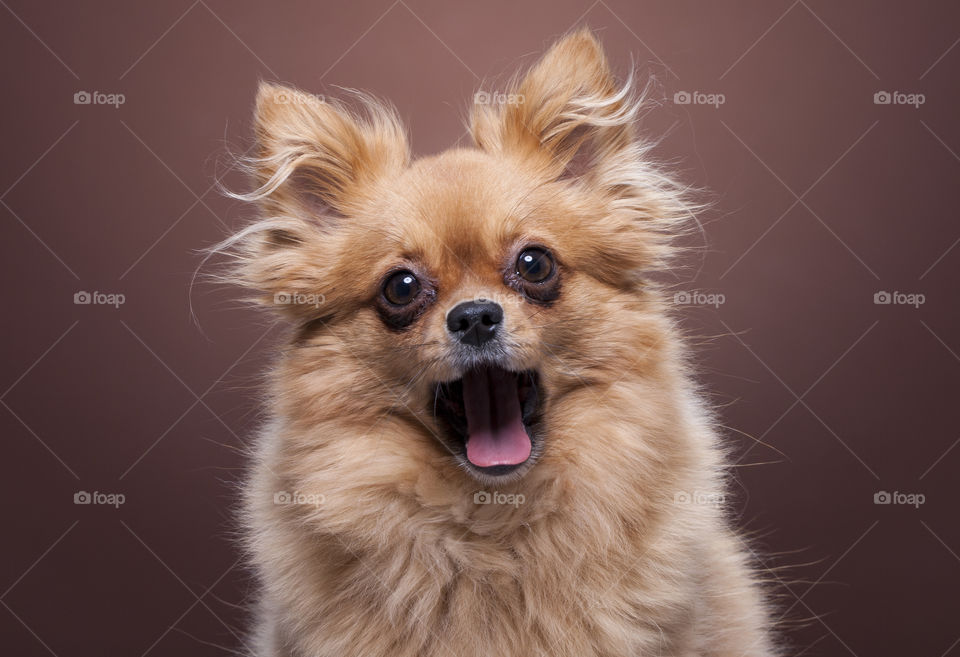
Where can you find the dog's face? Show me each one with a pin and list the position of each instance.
(469, 293)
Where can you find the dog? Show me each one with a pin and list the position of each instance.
(484, 436)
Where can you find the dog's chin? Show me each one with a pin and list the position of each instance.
(491, 421)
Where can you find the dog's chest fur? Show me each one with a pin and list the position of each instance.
(562, 585)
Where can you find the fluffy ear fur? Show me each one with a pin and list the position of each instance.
(565, 114)
(315, 161)
(317, 155)
(569, 120)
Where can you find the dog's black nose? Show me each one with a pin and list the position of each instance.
(475, 322)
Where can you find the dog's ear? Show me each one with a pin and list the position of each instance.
(316, 157)
(314, 164)
(566, 115)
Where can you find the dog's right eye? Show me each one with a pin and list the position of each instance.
(534, 265)
(401, 288)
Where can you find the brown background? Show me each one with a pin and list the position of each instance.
(853, 397)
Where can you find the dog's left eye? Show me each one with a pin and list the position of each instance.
(534, 265)
(401, 288)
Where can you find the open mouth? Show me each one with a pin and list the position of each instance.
(492, 418)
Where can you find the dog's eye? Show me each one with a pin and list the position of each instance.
(534, 265)
(401, 288)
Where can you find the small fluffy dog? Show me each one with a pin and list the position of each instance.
(483, 438)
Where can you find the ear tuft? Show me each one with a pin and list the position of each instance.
(567, 102)
(317, 156)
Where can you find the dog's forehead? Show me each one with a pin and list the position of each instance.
(462, 204)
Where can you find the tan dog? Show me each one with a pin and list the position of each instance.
(484, 439)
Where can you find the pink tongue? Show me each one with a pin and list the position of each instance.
(495, 433)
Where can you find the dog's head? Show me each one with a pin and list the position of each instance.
(472, 296)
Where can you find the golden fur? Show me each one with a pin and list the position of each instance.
(390, 555)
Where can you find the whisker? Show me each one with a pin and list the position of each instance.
(418, 376)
